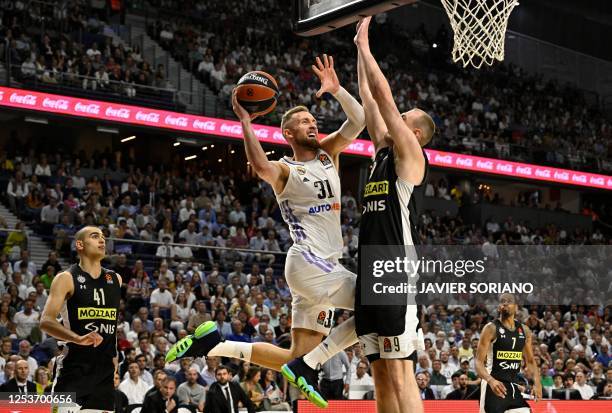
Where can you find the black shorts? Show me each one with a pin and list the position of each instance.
(491, 403)
(93, 381)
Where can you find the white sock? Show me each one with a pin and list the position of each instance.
(233, 349)
(340, 338)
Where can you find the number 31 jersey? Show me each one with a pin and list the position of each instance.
(93, 307)
(310, 205)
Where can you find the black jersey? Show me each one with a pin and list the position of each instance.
(93, 307)
(506, 353)
(389, 219)
(390, 206)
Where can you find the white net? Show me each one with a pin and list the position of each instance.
(479, 28)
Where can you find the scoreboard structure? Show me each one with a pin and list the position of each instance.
(312, 17)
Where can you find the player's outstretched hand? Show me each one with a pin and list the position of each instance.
(361, 38)
(536, 392)
(91, 339)
(327, 75)
(498, 388)
(238, 109)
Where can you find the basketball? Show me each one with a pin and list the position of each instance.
(257, 92)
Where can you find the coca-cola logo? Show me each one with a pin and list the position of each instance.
(564, 176)
(176, 121)
(205, 125)
(523, 170)
(262, 133)
(90, 108)
(488, 165)
(29, 100)
(504, 167)
(446, 159)
(597, 180)
(544, 173)
(579, 178)
(610, 183)
(121, 113)
(277, 136)
(232, 129)
(464, 162)
(61, 104)
(152, 117)
(356, 146)
(1, 95)
(370, 149)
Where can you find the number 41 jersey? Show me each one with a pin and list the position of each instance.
(93, 307)
(310, 205)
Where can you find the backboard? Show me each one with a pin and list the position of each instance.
(312, 17)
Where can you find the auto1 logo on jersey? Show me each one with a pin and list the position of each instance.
(105, 319)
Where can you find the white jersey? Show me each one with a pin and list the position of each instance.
(310, 205)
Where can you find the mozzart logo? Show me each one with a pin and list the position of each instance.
(509, 355)
(94, 313)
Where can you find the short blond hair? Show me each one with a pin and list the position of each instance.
(289, 114)
(426, 123)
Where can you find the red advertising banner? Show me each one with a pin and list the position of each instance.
(135, 115)
(462, 406)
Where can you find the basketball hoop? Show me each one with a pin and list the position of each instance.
(479, 28)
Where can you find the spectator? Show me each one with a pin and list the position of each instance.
(161, 300)
(121, 400)
(273, 396)
(465, 391)
(164, 401)
(134, 387)
(224, 395)
(27, 322)
(586, 391)
(425, 391)
(333, 383)
(20, 384)
(192, 393)
(7, 373)
(437, 378)
(360, 383)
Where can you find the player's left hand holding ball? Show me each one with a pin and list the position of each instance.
(327, 75)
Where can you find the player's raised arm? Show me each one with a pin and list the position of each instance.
(374, 121)
(530, 361)
(484, 344)
(411, 165)
(61, 289)
(275, 173)
(336, 142)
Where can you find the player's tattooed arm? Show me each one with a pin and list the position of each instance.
(62, 288)
(273, 172)
(486, 338)
(536, 392)
(410, 165)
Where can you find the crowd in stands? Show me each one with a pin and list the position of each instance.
(172, 287)
(502, 112)
(70, 46)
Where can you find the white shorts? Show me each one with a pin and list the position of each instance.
(318, 287)
(395, 347)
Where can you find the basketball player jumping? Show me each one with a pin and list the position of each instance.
(87, 297)
(307, 188)
(501, 347)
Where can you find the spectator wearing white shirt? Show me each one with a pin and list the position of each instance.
(25, 348)
(183, 252)
(581, 385)
(360, 383)
(17, 191)
(26, 320)
(134, 387)
(161, 300)
(190, 234)
(165, 250)
(186, 212)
